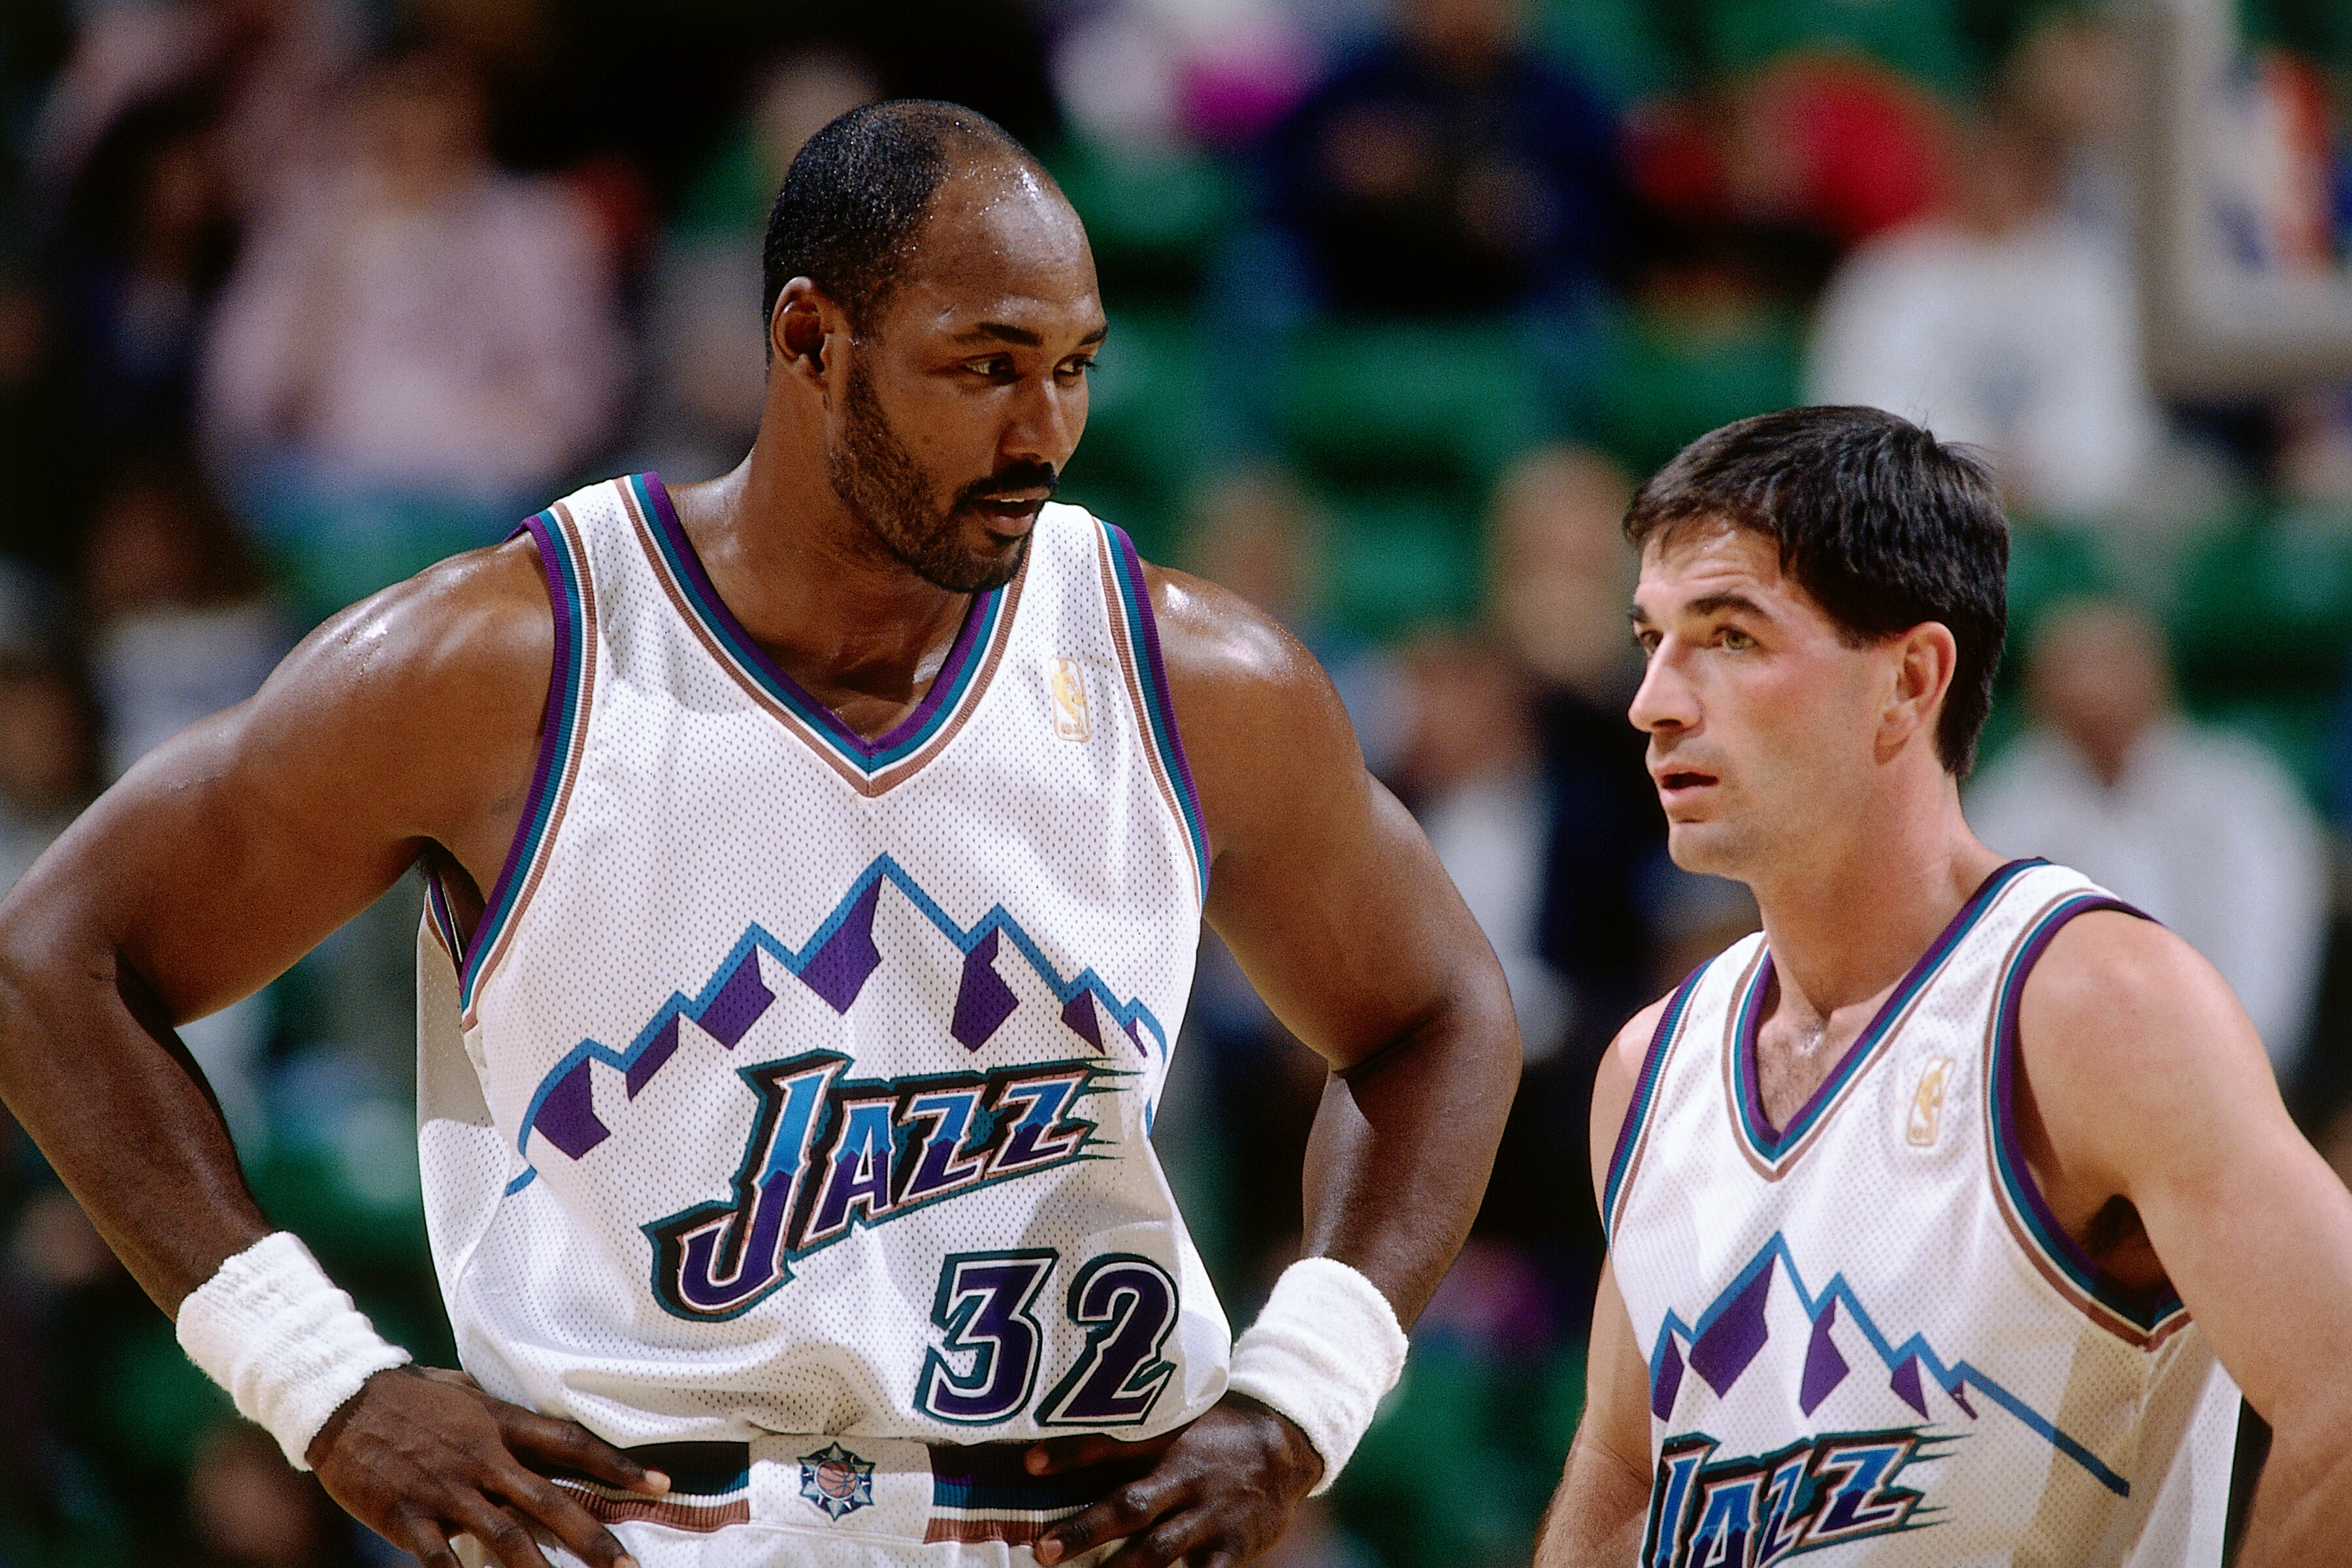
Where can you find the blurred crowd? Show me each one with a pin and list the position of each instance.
(297, 296)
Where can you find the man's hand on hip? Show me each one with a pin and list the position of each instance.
(420, 1455)
(1219, 1492)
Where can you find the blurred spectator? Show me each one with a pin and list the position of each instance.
(414, 348)
(1470, 767)
(1562, 579)
(1445, 168)
(1145, 76)
(705, 342)
(267, 61)
(48, 760)
(2007, 323)
(2202, 829)
(1256, 530)
(38, 526)
(181, 627)
(147, 239)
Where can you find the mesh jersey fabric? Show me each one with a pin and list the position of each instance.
(795, 1083)
(1868, 1338)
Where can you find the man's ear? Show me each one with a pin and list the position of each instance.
(798, 327)
(1925, 659)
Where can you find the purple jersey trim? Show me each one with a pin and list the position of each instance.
(2144, 1310)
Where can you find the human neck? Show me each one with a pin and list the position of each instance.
(1849, 919)
(807, 579)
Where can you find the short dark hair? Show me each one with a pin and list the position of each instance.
(857, 192)
(1884, 525)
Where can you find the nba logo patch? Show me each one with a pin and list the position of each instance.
(836, 1480)
(1926, 1121)
(1067, 682)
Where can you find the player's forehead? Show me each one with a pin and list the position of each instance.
(1000, 244)
(1706, 559)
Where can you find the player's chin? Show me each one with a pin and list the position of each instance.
(1700, 846)
(986, 561)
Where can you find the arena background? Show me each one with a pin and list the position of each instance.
(299, 295)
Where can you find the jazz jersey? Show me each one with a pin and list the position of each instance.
(794, 1082)
(1868, 1337)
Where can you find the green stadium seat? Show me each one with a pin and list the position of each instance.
(1419, 402)
(1397, 559)
(2260, 605)
(1150, 422)
(1152, 218)
(1924, 39)
(1657, 382)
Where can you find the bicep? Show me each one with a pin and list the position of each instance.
(2129, 1031)
(234, 847)
(1340, 914)
(221, 857)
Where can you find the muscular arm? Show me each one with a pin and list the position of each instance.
(1338, 911)
(228, 854)
(2125, 1029)
(1596, 1515)
(408, 722)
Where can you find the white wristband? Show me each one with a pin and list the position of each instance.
(1323, 1352)
(273, 1329)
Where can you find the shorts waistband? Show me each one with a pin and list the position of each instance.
(978, 1491)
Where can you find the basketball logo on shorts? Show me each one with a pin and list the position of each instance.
(1926, 1119)
(836, 1480)
(1068, 684)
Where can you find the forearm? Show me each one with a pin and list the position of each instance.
(1402, 1146)
(1596, 1517)
(91, 1068)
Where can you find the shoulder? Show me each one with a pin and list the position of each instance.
(476, 623)
(1264, 732)
(1615, 1082)
(429, 693)
(1219, 646)
(2122, 1026)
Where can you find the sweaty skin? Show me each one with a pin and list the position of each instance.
(1807, 769)
(407, 727)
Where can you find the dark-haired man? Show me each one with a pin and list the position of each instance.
(1944, 1212)
(816, 857)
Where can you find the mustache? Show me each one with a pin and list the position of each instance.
(1000, 485)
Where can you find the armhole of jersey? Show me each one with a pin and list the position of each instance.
(1138, 635)
(2139, 1320)
(441, 922)
(560, 734)
(1622, 1159)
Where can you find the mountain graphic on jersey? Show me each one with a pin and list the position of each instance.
(1008, 1053)
(1768, 1341)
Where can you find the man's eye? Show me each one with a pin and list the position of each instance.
(1736, 640)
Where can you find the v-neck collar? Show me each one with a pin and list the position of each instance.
(878, 762)
(1774, 1150)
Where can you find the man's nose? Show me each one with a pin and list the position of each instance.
(1664, 700)
(1045, 423)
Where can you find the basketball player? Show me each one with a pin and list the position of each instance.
(1949, 1215)
(815, 861)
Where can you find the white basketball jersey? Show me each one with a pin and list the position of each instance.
(1868, 1337)
(797, 1083)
